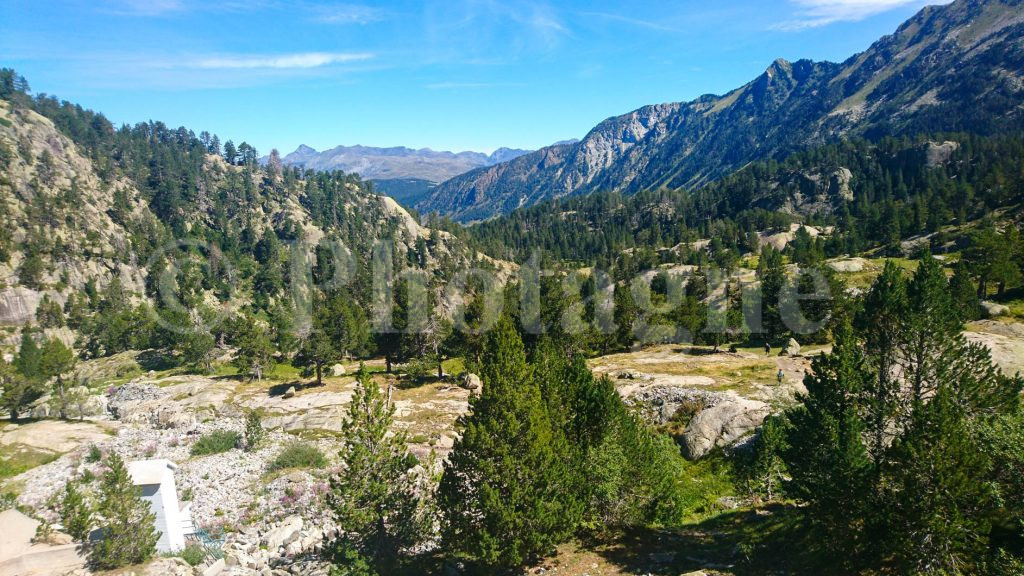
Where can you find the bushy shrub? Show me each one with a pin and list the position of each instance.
(298, 455)
(215, 442)
(254, 431)
(193, 554)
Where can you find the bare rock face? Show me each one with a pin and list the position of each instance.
(172, 566)
(721, 425)
(148, 404)
(660, 404)
(130, 395)
(283, 535)
(939, 154)
(839, 184)
(18, 305)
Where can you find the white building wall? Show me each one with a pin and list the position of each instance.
(163, 502)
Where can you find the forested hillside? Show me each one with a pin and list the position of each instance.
(108, 232)
(868, 195)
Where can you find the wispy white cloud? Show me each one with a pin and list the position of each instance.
(490, 31)
(816, 13)
(640, 23)
(347, 14)
(281, 61)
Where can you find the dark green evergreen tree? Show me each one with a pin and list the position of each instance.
(125, 521)
(827, 456)
(75, 513)
(503, 495)
(56, 360)
(19, 392)
(254, 356)
(376, 499)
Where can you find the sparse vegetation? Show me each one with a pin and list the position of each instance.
(215, 442)
(194, 554)
(255, 434)
(298, 455)
(19, 459)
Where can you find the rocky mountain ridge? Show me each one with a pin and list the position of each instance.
(958, 67)
(398, 162)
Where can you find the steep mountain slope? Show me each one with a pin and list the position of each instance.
(405, 191)
(958, 67)
(83, 204)
(397, 162)
(866, 194)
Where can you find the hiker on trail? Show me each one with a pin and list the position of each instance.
(780, 375)
(767, 349)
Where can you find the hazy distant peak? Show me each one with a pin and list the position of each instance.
(398, 162)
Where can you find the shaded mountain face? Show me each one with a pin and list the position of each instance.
(397, 163)
(958, 67)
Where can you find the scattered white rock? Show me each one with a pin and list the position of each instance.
(792, 348)
(994, 310)
(471, 382)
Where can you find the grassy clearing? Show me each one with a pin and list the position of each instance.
(704, 483)
(1016, 308)
(453, 366)
(729, 372)
(17, 459)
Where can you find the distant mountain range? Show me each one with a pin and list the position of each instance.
(398, 163)
(958, 67)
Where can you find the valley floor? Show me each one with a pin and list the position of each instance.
(162, 414)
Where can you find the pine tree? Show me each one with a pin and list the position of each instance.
(55, 360)
(827, 457)
(937, 505)
(19, 392)
(503, 492)
(75, 513)
(375, 499)
(885, 446)
(929, 325)
(964, 293)
(882, 324)
(624, 315)
(255, 352)
(255, 434)
(126, 522)
(764, 470)
(29, 356)
(773, 280)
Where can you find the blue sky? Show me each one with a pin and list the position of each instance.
(449, 74)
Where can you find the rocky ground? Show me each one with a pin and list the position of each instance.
(712, 398)
(275, 522)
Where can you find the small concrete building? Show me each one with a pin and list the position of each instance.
(173, 521)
